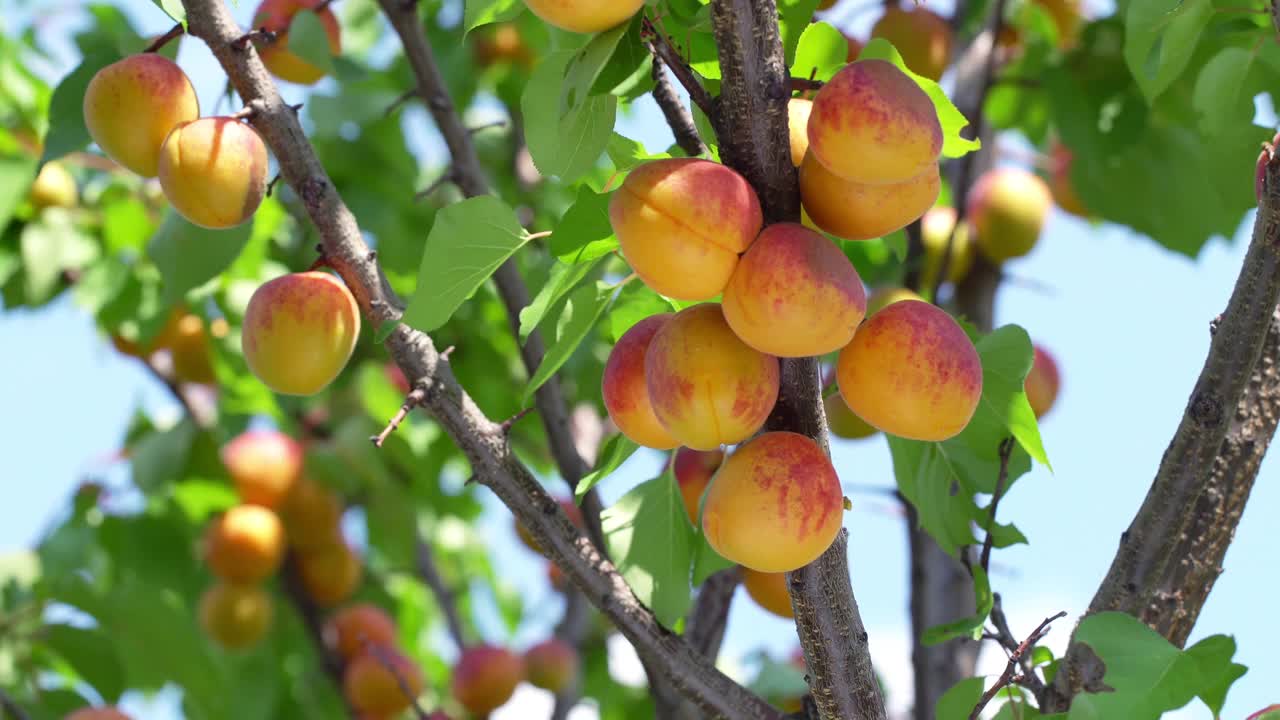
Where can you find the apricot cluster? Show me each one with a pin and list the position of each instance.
(378, 679)
(185, 340)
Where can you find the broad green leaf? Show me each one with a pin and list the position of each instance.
(49, 246)
(174, 9)
(658, 571)
(67, 131)
(1218, 96)
(1213, 655)
(309, 41)
(91, 653)
(794, 19)
(779, 681)
(627, 154)
(822, 51)
(582, 310)
(960, 700)
(706, 560)
(636, 302)
(933, 482)
(17, 172)
(616, 450)
(1006, 359)
(564, 278)
(953, 121)
(100, 283)
(971, 626)
(1017, 709)
(483, 12)
(468, 242)
(1160, 37)
(564, 142)
(160, 455)
(189, 256)
(126, 222)
(582, 71)
(584, 233)
(200, 499)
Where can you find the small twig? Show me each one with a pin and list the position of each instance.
(487, 126)
(245, 113)
(511, 421)
(174, 32)
(1006, 450)
(396, 104)
(448, 176)
(804, 85)
(271, 186)
(413, 400)
(429, 573)
(678, 117)
(1015, 657)
(1009, 643)
(540, 235)
(11, 707)
(661, 48)
(444, 354)
(380, 655)
(263, 34)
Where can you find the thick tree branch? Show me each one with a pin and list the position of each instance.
(485, 446)
(1144, 575)
(706, 623)
(678, 118)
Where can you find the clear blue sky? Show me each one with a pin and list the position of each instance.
(1127, 320)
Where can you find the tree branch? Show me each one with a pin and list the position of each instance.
(1015, 658)
(1009, 642)
(429, 573)
(665, 54)
(678, 118)
(314, 623)
(1006, 449)
(1206, 452)
(704, 628)
(488, 450)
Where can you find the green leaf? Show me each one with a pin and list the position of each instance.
(17, 173)
(636, 302)
(1007, 356)
(1160, 37)
(467, 243)
(91, 653)
(101, 283)
(188, 255)
(779, 681)
(650, 541)
(1218, 96)
(309, 41)
(822, 51)
(626, 153)
(926, 476)
(706, 561)
(795, 17)
(174, 9)
(581, 313)
(584, 233)
(582, 71)
(564, 142)
(953, 121)
(67, 131)
(483, 12)
(1213, 655)
(160, 455)
(971, 626)
(49, 246)
(960, 700)
(564, 278)
(616, 450)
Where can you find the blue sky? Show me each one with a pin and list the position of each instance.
(1127, 320)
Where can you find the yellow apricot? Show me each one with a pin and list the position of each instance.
(872, 124)
(769, 590)
(911, 371)
(245, 544)
(626, 397)
(54, 187)
(131, 105)
(375, 682)
(856, 211)
(886, 296)
(693, 470)
(1007, 208)
(843, 422)
(214, 171)
(708, 388)
(798, 110)
(584, 16)
(330, 573)
(187, 341)
(1042, 382)
(935, 232)
(299, 332)
(264, 465)
(794, 294)
(235, 616)
(551, 664)
(681, 224)
(485, 677)
(276, 16)
(311, 514)
(921, 36)
(775, 504)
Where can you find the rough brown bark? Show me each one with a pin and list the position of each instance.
(678, 117)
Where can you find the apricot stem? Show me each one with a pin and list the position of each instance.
(173, 33)
(263, 34)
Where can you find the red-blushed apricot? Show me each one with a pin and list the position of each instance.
(682, 222)
(375, 682)
(881, 298)
(131, 105)
(348, 630)
(584, 16)
(244, 545)
(311, 514)
(214, 171)
(97, 713)
(856, 211)
(569, 507)
(1266, 713)
(775, 504)
(485, 677)
(330, 573)
(769, 590)
(921, 36)
(264, 465)
(1061, 186)
(708, 388)
(693, 470)
(872, 124)
(794, 294)
(935, 233)
(276, 16)
(397, 377)
(626, 397)
(551, 664)
(911, 371)
(1007, 208)
(842, 421)
(235, 616)
(798, 110)
(299, 332)
(54, 187)
(1042, 382)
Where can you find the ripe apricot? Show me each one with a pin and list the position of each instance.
(299, 332)
(775, 504)
(245, 544)
(311, 513)
(936, 232)
(843, 422)
(349, 630)
(97, 713)
(769, 590)
(857, 211)
(551, 664)
(235, 616)
(1061, 186)
(501, 43)
(708, 388)
(794, 294)
(276, 16)
(1007, 209)
(569, 507)
(1042, 382)
(922, 37)
(911, 371)
(584, 16)
(682, 222)
(330, 573)
(626, 397)
(886, 296)
(372, 681)
(131, 105)
(798, 110)
(485, 678)
(214, 171)
(693, 470)
(187, 340)
(872, 124)
(54, 186)
(264, 466)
